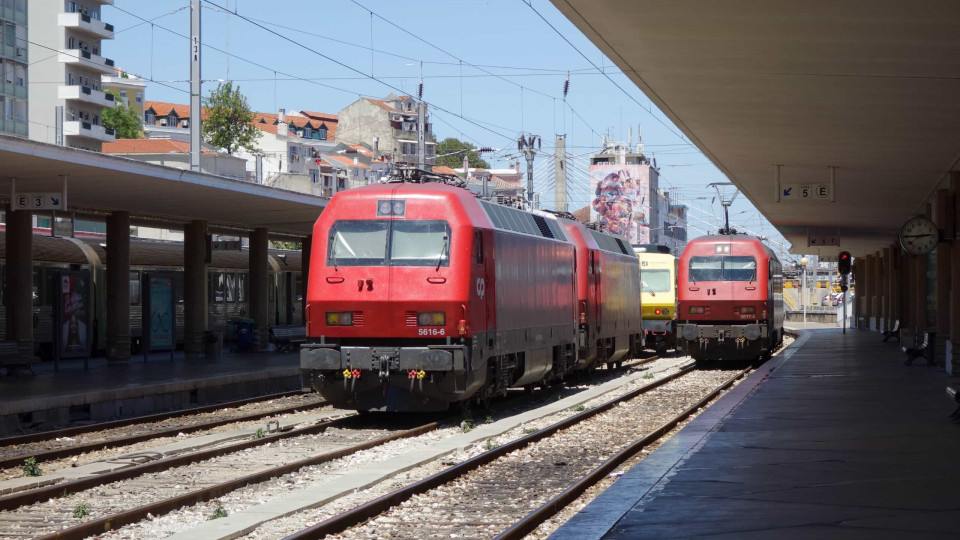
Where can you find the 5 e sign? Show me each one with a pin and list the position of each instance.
(38, 201)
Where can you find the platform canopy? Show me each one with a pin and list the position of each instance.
(867, 86)
(164, 196)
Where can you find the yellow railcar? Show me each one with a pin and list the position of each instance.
(658, 296)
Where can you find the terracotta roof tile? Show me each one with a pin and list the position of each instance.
(162, 108)
(443, 169)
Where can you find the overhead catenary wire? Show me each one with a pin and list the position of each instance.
(351, 68)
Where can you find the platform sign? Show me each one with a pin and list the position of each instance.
(823, 240)
(73, 314)
(159, 308)
(52, 200)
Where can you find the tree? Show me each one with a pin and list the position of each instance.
(228, 122)
(125, 121)
(450, 145)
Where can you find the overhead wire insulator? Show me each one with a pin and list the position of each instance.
(566, 86)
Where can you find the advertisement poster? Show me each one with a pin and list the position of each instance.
(621, 200)
(162, 316)
(73, 314)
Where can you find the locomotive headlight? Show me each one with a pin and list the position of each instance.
(666, 311)
(744, 310)
(431, 318)
(339, 318)
(697, 310)
(383, 208)
(751, 332)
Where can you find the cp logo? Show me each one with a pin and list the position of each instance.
(481, 287)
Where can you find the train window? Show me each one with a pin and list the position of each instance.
(134, 288)
(739, 268)
(478, 246)
(654, 281)
(420, 243)
(706, 268)
(358, 243)
(723, 268)
(241, 287)
(220, 287)
(231, 288)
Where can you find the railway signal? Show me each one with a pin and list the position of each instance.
(844, 262)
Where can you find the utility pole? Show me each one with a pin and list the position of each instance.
(560, 174)
(421, 127)
(195, 106)
(529, 146)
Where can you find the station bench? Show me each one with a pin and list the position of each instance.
(916, 352)
(893, 332)
(288, 338)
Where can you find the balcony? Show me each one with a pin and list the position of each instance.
(79, 128)
(411, 136)
(85, 59)
(85, 24)
(14, 52)
(86, 95)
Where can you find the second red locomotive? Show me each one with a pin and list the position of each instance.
(421, 295)
(730, 298)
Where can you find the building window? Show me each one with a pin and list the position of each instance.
(72, 7)
(151, 118)
(314, 176)
(123, 94)
(10, 34)
(71, 41)
(172, 120)
(322, 134)
(139, 97)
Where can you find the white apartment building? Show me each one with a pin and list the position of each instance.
(13, 67)
(73, 31)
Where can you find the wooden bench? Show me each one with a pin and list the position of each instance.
(916, 352)
(893, 333)
(288, 338)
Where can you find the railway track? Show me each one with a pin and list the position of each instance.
(59, 444)
(53, 508)
(135, 493)
(510, 489)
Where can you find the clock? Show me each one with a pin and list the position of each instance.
(919, 236)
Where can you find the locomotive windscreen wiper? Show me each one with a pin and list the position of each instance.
(443, 249)
(333, 251)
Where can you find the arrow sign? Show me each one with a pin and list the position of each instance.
(786, 192)
(50, 200)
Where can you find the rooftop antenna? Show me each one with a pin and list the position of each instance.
(725, 202)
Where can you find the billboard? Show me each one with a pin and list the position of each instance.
(162, 312)
(73, 314)
(621, 200)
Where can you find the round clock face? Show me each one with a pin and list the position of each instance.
(919, 236)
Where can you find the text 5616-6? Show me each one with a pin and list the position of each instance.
(430, 331)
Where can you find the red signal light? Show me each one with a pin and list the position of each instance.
(656, 311)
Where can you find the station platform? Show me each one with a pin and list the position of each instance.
(105, 391)
(833, 438)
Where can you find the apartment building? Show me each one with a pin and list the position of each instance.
(129, 88)
(13, 67)
(389, 126)
(70, 34)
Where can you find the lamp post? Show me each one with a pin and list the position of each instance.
(803, 287)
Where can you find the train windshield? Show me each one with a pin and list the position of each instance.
(654, 281)
(389, 243)
(723, 268)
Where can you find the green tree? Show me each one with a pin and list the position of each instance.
(450, 145)
(125, 121)
(228, 122)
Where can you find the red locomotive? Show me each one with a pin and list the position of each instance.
(730, 298)
(421, 295)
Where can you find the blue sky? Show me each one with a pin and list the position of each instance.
(460, 44)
